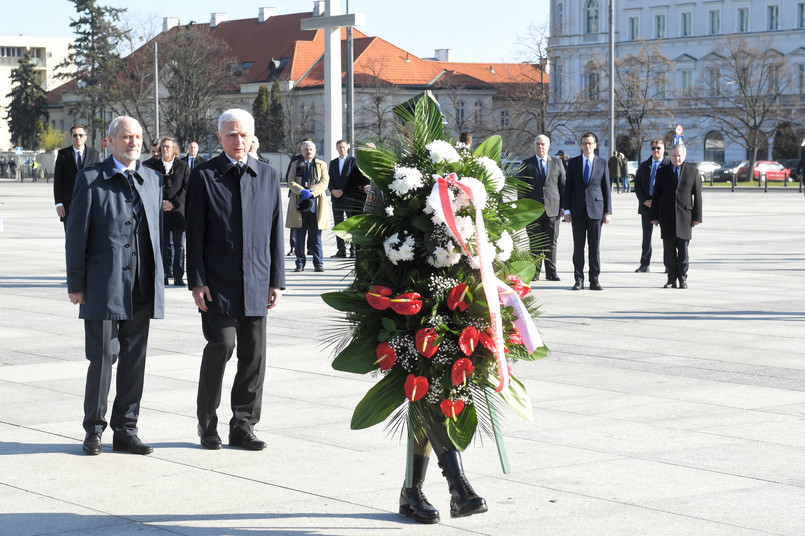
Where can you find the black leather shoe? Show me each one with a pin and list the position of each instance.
(248, 442)
(290, 253)
(670, 284)
(131, 444)
(642, 269)
(339, 255)
(298, 269)
(167, 282)
(319, 269)
(683, 284)
(178, 282)
(553, 277)
(92, 444)
(578, 286)
(595, 285)
(209, 439)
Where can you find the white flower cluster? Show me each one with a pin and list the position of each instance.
(406, 179)
(496, 176)
(443, 257)
(465, 226)
(505, 246)
(441, 151)
(404, 253)
(390, 210)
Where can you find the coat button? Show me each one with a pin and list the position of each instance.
(127, 268)
(128, 223)
(128, 200)
(127, 246)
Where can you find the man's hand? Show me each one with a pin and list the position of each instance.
(201, 295)
(337, 193)
(76, 297)
(647, 202)
(274, 295)
(607, 218)
(695, 223)
(568, 217)
(167, 206)
(655, 222)
(60, 211)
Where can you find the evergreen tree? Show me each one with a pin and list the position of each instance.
(27, 112)
(260, 111)
(276, 122)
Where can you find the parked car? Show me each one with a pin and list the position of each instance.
(765, 170)
(728, 171)
(706, 169)
(631, 166)
(791, 164)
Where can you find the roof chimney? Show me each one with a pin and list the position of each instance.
(216, 19)
(169, 22)
(265, 13)
(318, 8)
(443, 54)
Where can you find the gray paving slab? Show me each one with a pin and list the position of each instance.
(658, 411)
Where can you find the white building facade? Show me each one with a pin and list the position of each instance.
(688, 34)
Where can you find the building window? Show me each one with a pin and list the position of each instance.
(743, 19)
(714, 146)
(634, 28)
(560, 18)
(801, 80)
(687, 25)
(774, 80)
(661, 85)
(801, 15)
(460, 111)
(659, 26)
(593, 84)
(591, 14)
(479, 108)
(504, 119)
(557, 81)
(686, 82)
(713, 81)
(714, 19)
(773, 17)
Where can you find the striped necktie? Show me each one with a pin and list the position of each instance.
(136, 201)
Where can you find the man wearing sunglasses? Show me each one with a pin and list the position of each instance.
(644, 188)
(69, 161)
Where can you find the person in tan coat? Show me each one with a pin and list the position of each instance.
(307, 212)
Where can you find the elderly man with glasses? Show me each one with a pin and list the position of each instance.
(69, 161)
(644, 188)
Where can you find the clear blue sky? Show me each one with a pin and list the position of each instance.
(476, 31)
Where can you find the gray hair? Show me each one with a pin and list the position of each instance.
(681, 147)
(113, 126)
(538, 136)
(309, 143)
(236, 115)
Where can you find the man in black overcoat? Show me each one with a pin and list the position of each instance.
(645, 179)
(69, 161)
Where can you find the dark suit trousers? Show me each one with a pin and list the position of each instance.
(221, 333)
(648, 229)
(587, 229)
(675, 256)
(341, 213)
(173, 252)
(124, 341)
(543, 236)
(309, 229)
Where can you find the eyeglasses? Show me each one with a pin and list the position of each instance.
(657, 148)
(78, 135)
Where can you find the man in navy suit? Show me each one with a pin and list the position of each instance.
(114, 271)
(546, 176)
(236, 271)
(192, 157)
(588, 204)
(343, 201)
(644, 182)
(69, 161)
(676, 207)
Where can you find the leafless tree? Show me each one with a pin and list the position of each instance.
(377, 98)
(298, 115)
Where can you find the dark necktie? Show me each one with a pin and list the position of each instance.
(78, 159)
(677, 174)
(136, 201)
(192, 163)
(653, 176)
(541, 164)
(586, 171)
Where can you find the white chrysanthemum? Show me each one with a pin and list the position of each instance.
(444, 257)
(461, 201)
(390, 210)
(465, 226)
(404, 253)
(433, 205)
(441, 151)
(405, 180)
(496, 176)
(478, 190)
(505, 246)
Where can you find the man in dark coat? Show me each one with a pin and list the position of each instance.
(546, 176)
(69, 161)
(192, 157)
(235, 269)
(344, 202)
(588, 204)
(676, 207)
(175, 173)
(114, 271)
(645, 179)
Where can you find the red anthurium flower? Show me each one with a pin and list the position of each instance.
(515, 338)
(407, 304)
(468, 340)
(456, 298)
(415, 387)
(452, 409)
(377, 297)
(426, 341)
(520, 288)
(386, 356)
(462, 369)
(488, 341)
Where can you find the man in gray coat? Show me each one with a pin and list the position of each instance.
(546, 176)
(114, 271)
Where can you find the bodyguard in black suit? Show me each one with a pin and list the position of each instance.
(69, 161)
(114, 271)
(192, 157)
(235, 269)
(344, 201)
(546, 176)
(676, 207)
(175, 173)
(587, 204)
(645, 178)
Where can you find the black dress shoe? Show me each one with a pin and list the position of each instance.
(642, 269)
(290, 253)
(248, 442)
(339, 255)
(179, 282)
(319, 269)
(131, 444)
(167, 282)
(553, 277)
(299, 269)
(92, 444)
(578, 286)
(209, 439)
(670, 284)
(595, 285)
(683, 284)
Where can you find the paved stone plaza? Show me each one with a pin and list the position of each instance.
(659, 412)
